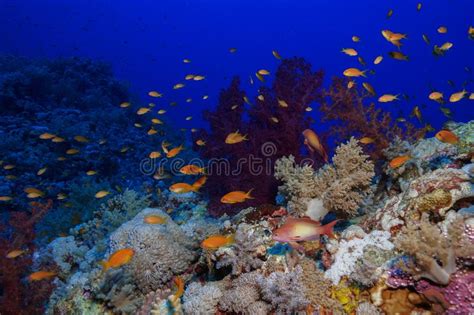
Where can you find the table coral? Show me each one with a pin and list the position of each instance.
(340, 187)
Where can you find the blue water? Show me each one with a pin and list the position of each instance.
(146, 41)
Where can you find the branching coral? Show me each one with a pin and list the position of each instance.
(349, 116)
(434, 253)
(297, 85)
(284, 291)
(248, 252)
(201, 299)
(340, 187)
(161, 250)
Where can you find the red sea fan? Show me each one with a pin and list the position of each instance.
(348, 115)
(273, 131)
(18, 296)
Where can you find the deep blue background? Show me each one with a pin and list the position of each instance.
(146, 41)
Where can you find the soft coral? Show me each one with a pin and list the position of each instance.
(297, 85)
(19, 297)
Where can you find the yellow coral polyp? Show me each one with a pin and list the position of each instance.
(347, 295)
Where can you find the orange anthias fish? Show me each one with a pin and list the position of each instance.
(191, 170)
(216, 241)
(154, 219)
(447, 137)
(180, 288)
(235, 137)
(174, 152)
(181, 188)
(311, 140)
(399, 161)
(119, 258)
(15, 253)
(302, 229)
(40, 275)
(236, 196)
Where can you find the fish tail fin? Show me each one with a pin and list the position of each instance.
(230, 238)
(248, 194)
(105, 265)
(245, 137)
(329, 229)
(363, 73)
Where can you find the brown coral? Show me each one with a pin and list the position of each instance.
(434, 253)
(340, 187)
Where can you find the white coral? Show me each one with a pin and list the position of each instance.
(350, 250)
(201, 299)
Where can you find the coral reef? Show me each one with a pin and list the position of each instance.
(296, 84)
(340, 187)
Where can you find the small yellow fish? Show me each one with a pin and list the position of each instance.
(308, 109)
(154, 219)
(152, 132)
(378, 60)
(418, 6)
(355, 39)
(151, 104)
(387, 98)
(156, 121)
(101, 194)
(161, 111)
(34, 195)
(72, 151)
(470, 32)
(456, 97)
(349, 51)
(47, 136)
(246, 100)
(91, 173)
(447, 137)
(143, 111)
(186, 60)
(368, 87)
(191, 169)
(416, 112)
(154, 155)
(398, 55)
(189, 77)
(138, 125)
(261, 98)
(32, 190)
(58, 140)
(155, 94)
(276, 54)
(389, 14)
(178, 86)
(263, 72)
(15, 253)
(442, 30)
(118, 258)
(42, 171)
(9, 167)
(199, 78)
(435, 96)
(235, 137)
(446, 46)
(259, 77)
(175, 151)
(274, 119)
(354, 72)
(5, 198)
(214, 242)
(205, 97)
(361, 60)
(399, 161)
(282, 103)
(41, 275)
(350, 84)
(200, 142)
(81, 139)
(366, 140)
(125, 104)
